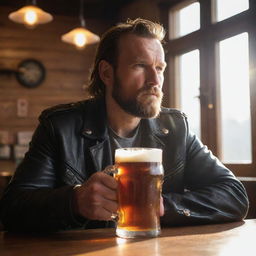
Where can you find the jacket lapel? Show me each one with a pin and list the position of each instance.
(101, 155)
(152, 134)
(95, 131)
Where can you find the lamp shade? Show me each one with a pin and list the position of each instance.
(30, 16)
(80, 37)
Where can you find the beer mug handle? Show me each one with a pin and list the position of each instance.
(112, 170)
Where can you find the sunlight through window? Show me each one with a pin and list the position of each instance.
(188, 81)
(184, 20)
(228, 8)
(235, 100)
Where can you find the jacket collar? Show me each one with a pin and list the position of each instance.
(95, 124)
(95, 128)
(95, 119)
(153, 133)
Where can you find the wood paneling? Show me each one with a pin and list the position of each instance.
(67, 70)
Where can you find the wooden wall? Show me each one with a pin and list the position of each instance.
(66, 70)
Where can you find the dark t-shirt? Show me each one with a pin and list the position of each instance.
(134, 140)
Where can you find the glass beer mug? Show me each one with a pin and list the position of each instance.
(139, 174)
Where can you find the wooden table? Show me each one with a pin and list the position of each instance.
(232, 239)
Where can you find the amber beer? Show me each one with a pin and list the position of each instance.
(139, 178)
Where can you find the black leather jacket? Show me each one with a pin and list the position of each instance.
(71, 143)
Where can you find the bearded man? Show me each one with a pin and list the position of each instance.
(60, 183)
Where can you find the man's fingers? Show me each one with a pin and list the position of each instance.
(96, 198)
(100, 209)
(100, 214)
(108, 180)
(110, 206)
(105, 192)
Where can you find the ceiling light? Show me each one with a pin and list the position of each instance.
(30, 16)
(80, 37)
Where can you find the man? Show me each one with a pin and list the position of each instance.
(74, 143)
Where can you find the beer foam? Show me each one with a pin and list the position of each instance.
(138, 155)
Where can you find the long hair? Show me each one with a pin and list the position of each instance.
(108, 47)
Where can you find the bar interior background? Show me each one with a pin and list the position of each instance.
(65, 68)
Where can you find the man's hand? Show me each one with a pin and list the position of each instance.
(96, 199)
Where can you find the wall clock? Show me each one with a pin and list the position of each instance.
(31, 73)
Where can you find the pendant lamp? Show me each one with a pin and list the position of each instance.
(80, 36)
(30, 15)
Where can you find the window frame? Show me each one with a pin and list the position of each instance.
(205, 40)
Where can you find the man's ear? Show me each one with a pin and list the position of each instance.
(106, 72)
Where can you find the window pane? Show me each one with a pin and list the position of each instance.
(228, 8)
(185, 20)
(235, 100)
(188, 77)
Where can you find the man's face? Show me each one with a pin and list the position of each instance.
(138, 78)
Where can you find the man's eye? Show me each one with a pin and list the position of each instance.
(140, 65)
(161, 69)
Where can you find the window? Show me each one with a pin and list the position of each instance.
(186, 20)
(187, 81)
(211, 76)
(226, 9)
(235, 100)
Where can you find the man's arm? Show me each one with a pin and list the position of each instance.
(212, 193)
(32, 200)
(35, 200)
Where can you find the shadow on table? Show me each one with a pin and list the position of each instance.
(98, 241)
(64, 243)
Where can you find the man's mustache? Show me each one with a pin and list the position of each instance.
(152, 91)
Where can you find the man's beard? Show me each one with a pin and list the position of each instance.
(146, 103)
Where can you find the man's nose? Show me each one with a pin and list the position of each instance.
(153, 77)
